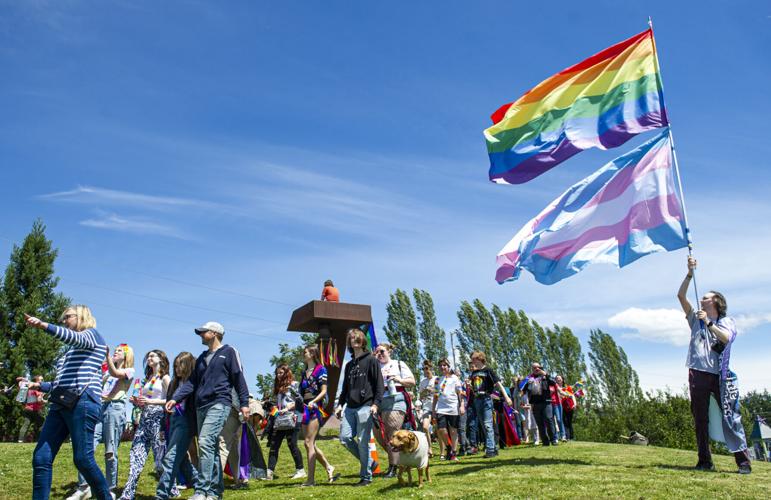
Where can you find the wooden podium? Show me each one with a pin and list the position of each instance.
(331, 320)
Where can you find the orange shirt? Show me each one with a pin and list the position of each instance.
(330, 294)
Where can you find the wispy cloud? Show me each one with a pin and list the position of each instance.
(134, 225)
(95, 195)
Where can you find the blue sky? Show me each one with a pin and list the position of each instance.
(199, 161)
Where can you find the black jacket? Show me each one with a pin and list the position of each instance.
(362, 383)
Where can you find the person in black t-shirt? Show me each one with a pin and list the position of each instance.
(539, 394)
(484, 381)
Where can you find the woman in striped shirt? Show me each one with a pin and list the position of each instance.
(76, 396)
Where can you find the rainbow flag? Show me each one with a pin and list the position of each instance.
(625, 210)
(369, 331)
(601, 102)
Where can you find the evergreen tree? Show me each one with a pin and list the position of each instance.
(402, 330)
(28, 287)
(476, 331)
(613, 382)
(432, 336)
(524, 340)
(504, 344)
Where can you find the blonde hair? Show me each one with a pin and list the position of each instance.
(388, 347)
(85, 319)
(479, 356)
(128, 355)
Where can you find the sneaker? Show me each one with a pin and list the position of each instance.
(299, 474)
(491, 455)
(707, 467)
(745, 468)
(198, 496)
(555, 443)
(442, 457)
(307, 484)
(473, 450)
(268, 476)
(536, 443)
(391, 472)
(81, 494)
(363, 482)
(454, 458)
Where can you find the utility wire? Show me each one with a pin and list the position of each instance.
(175, 320)
(174, 302)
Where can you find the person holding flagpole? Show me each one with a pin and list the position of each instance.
(712, 335)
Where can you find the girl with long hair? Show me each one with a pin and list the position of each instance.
(75, 401)
(116, 382)
(313, 389)
(182, 429)
(448, 405)
(285, 425)
(150, 397)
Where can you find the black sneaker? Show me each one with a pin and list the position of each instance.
(491, 455)
(745, 468)
(708, 467)
(391, 473)
(363, 482)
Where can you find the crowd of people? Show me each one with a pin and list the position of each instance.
(200, 421)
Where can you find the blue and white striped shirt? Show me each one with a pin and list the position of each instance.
(81, 365)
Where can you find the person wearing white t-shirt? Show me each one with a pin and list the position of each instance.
(397, 378)
(426, 396)
(448, 406)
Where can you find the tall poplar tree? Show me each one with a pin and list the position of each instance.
(28, 287)
(433, 337)
(613, 382)
(402, 330)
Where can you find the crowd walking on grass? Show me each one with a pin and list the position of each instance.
(198, 419)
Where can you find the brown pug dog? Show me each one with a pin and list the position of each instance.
(413, 448)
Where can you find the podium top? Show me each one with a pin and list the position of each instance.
(338, 316)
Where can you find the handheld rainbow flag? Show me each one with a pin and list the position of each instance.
(601, 102)
(625, 210)
(369, 331)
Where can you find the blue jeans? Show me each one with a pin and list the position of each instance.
(557, 411)
(176, 455)
(78, 423)
(211, 420)
(109, 431)
(355, 433)
(483, 411)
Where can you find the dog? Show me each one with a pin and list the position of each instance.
(413, 448)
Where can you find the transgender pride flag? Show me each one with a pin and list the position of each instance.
(624, 211)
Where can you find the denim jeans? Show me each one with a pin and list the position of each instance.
(210, 422)
(544, 418)
(557, 411)
(175, 458)
(355, 433)
(483, 411)
(78, 423)
(109, 431)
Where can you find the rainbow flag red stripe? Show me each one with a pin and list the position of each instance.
(600, 102)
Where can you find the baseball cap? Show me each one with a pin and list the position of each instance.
(212, 326)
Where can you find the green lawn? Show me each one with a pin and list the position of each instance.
(573, 470)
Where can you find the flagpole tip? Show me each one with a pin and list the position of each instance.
(650, 22)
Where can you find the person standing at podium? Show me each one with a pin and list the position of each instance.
(361, 395)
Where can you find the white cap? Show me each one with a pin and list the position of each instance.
(211, 326)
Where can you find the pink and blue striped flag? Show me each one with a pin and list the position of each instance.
(625, 210)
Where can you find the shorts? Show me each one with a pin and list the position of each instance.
(447, 421)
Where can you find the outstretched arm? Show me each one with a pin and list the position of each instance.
(687, 307)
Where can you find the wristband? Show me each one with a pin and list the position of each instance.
(709, 325)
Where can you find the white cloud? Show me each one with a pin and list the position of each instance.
(746, 322)
(135, 225)
(656, 325)
(96, 195)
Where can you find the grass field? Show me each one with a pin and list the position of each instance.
(573, 470)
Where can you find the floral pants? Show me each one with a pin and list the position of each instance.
(147, 436)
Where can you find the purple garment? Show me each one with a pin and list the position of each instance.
(726, 323)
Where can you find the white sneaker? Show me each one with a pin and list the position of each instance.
(198, 496)
(268, 475)
(300, 474)
(258, 474)
(80, 494)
